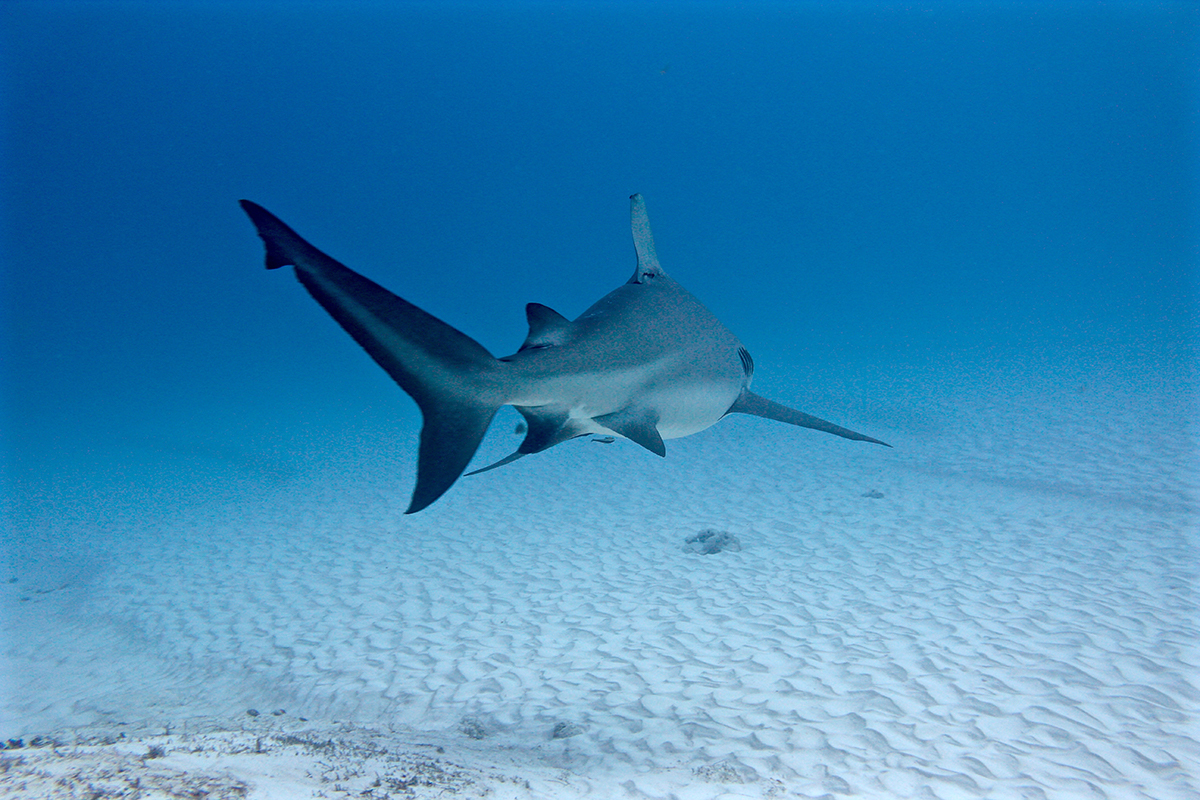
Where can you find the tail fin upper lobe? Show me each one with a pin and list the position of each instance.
(454, 379)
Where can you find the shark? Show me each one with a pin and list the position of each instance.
(647, 362)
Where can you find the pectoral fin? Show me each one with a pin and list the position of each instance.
(750, 403)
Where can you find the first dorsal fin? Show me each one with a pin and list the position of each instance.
(547, 327)
(648, 267)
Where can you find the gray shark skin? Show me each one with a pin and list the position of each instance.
(646, 362)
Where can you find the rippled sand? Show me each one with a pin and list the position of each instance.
(1001, 607)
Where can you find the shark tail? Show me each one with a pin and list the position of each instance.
(455, 381)
(756, 405)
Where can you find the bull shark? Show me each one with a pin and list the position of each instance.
(647, 362)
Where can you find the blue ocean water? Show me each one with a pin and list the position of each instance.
(856, 189)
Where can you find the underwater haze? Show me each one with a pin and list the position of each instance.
(966, 229)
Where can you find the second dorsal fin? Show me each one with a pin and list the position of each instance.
(547, 327)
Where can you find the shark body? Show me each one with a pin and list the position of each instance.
(646, 362)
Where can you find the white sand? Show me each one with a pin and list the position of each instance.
(1013, 618)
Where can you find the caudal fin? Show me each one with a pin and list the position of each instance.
(751, 403)
(452, 377)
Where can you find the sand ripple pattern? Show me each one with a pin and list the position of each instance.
(983, 629)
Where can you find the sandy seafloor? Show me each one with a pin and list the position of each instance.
(1002, 606)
